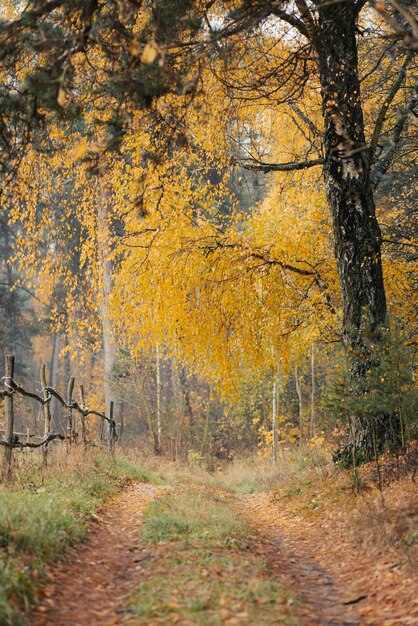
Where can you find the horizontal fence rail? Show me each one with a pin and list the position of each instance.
(11, 439)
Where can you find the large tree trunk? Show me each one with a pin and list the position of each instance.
(350, 195)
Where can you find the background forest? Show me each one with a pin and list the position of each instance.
(165, 229)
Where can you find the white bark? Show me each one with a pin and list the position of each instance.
(58, 423)
(106, 288)
(274, 420)
(158, 395)
(313, 426)
(300, 404)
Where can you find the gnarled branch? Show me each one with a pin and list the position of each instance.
(15, 388)
(27, 444)
(259, 166)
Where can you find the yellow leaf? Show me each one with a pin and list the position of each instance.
(79, 149)
(61, 97)
(149, 53)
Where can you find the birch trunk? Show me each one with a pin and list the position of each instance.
(8, 417)
(46, 412)
(300, 403)
(274, 419)
(104, 247)
(55, 407)
(313, 425)
(157, 441)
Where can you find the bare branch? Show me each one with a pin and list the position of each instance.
(314, 129)
(408, 31)
(386, 104)
(20, 444)
(383, 163)
(307, 19)
(15, 388)
(279, 167)
(290, 19)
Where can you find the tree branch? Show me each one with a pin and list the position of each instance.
(407, 29)
(383, 163)
(315, 131)
(292, 20)
(15, 388)
(284, 266)
(386, 104)
(307, 19)
(20, 444)
(279, 167)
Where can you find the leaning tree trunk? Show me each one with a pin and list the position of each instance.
(350, 195)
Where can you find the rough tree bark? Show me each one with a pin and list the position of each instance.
(351, 174)
(350, 195)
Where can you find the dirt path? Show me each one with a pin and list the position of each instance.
(339, 584)
(322, 603)
(89, 587)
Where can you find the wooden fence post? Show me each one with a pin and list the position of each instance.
(70, 390)
(83, 417)
(8, 416)
(47, 413)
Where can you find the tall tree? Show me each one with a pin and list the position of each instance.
(352, 170)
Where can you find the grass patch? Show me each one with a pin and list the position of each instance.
(254, 474)
(204, 570)
(195, 516)
(44, 511)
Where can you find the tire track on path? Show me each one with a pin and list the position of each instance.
(321, 601)
(89, 586)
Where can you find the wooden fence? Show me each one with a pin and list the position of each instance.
(11, 439)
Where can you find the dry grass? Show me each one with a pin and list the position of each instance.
(379, 516)
(43, 510)
(247, 475)
(388, 521)
(378, 509)
(202, 571)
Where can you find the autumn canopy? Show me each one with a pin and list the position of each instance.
(208, 209)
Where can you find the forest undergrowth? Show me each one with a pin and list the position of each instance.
(361, 527)
(377, 502)
(45, 510)
(209, 528)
